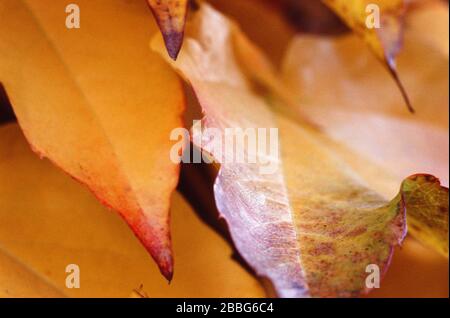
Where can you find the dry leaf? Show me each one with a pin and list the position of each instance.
(342, 226)
(311, 230)
(171, 18)
(18, 281)
(311, 227)
(61, 223)
(428, 221)
(385, 40)
(227, 102)
(98, 104)
(253, 16)
(358, 100)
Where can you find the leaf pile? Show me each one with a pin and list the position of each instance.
(309, 219)
(312, 230)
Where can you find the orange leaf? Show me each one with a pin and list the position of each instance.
(18, 281)
(97, 104)
(61, 223)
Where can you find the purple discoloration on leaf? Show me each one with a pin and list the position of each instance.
(312, 227)
(171, 18)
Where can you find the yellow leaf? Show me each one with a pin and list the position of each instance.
(428, 221)
(384, 39)
(48, 221)
(359, 108)
(18, 281)
(97, 104)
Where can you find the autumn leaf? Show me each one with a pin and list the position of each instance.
(358, 99)
(61, 223)
(385, 39)
(312, 226)
(100, 108)
(256, 15)
(308, 218)
(428, 221)
(106, 250)
(171, 18)
(347, 106)
(362, 16)
(18, 281)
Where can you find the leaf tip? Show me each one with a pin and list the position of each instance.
(392, 69)
(173, 41)
(165, 264)
(168, 275)
(171, 18)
